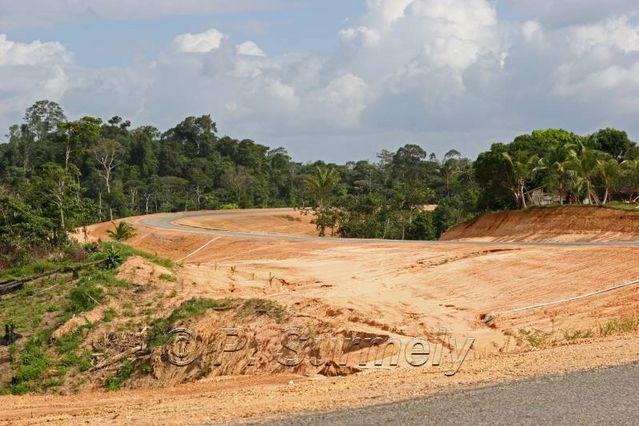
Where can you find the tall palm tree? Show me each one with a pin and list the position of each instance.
(585, 166)
(610, 172)
(631, 172)
(556, 163)
(321, 185)
(520, 168)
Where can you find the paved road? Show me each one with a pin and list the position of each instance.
(168, 222)
(605, 396)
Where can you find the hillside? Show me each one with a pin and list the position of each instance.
(560, 224)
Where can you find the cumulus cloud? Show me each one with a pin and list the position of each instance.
(343, 99)
(614, 33)
(35, 53)
(362, 34)
(200, 42)
(249, 48)
(532, 32)
(30, 71)
(442, 73)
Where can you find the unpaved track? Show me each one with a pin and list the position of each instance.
(171, 222)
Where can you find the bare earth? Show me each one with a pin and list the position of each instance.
(388, 289)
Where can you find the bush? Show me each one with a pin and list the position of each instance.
(84, 297)
(122, 232)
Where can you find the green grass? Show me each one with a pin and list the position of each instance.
(40, 308)
(536, 338)
(31, 367)
(34, 268)
(571, 335)
(623, 206)
(109, 314)
(619, 326)
(86, 296)
(127, 251)
(263, 307)
(613, 205)
(114, 383)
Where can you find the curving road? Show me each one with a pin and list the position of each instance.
(169, 222)
(604, 396)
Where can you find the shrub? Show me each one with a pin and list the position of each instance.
(122, 232)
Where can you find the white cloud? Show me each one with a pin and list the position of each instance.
(34, 53)
(360, 34)
(343, 99)
(533, 32)
(284, 94)
(199, 42)
(614, 33)
(30, 71)
(445, 72)
(249, 48)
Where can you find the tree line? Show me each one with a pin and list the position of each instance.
(593, 169)
(58, 174)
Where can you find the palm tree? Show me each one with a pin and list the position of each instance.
(585, 166)
(520, 168)
(321, 185)
(631, 172)
(610, 173)
(556, 163)
(122, 231)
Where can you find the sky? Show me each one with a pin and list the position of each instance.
(335, 80)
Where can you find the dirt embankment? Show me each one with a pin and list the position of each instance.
(561, 224)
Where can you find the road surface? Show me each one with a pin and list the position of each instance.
(604, 396)
(169, 222)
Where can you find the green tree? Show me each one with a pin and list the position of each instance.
(586, 165)
(630, 170)
(320, 185)
(556, 163)
(520, 168)
(610, 173)
(61, 189)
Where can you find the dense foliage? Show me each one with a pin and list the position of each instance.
(57, 175)
(563, 166)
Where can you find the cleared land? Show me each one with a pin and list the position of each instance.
(362, 288)
(563, 224)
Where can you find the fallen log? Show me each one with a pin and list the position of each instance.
(118, 357)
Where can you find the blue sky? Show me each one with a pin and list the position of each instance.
(333, 80)
(98, 42)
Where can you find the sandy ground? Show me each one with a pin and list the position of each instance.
(559, 224)
(233, 398)
(386, 288)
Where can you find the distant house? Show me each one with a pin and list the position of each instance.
(540, 198)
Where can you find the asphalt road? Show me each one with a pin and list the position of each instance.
(168, 222)
(605, 396)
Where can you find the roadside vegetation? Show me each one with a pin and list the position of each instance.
(35, 360)
(537, 338)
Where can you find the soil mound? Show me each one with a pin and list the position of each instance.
(560, 224)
